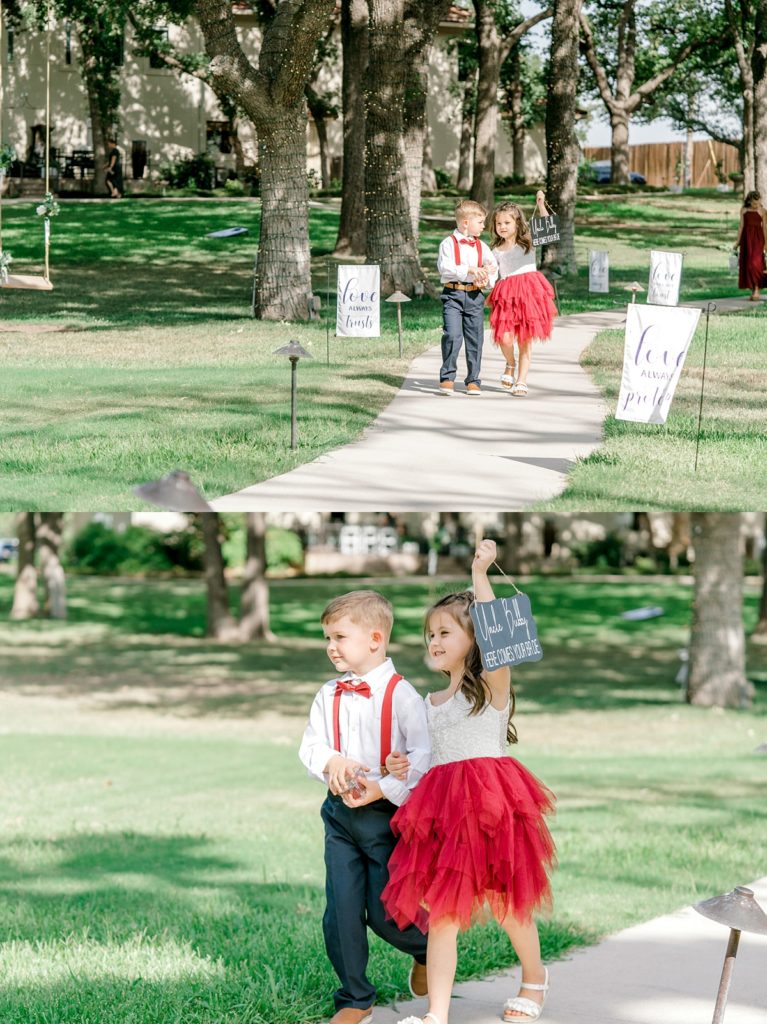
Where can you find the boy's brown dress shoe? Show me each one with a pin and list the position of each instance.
(473, 389)
(447, 387)
(352, 1015)
(417, 981)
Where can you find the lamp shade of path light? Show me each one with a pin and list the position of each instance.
(634, 287)
(174, 492)
(293, 351)
(399, 298)
(738, 911)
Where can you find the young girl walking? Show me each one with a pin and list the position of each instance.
(522, 301)
(472, 833)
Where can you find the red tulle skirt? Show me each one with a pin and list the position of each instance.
(522, 306)
(471, 834)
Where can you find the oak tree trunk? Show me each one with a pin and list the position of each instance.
(272, 96)
(486, 117)
(391, 241)
(428, 177)
(516, 113)
(254, 604)
(512, 523)
(717, 642)
(562, 149)
(354, 40)
(25, 604)
(48, 542)
(283, 274)
(466, 145)
(221, 624)
(619, 146)
(759, 68)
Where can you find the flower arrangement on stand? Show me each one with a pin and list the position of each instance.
(49, 207)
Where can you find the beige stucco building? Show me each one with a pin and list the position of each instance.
(165, 116)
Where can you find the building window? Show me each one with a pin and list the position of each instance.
(68, 43)
(155, 60)
(218, 136)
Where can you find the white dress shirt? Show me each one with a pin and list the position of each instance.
(360, 728)
(449, 270)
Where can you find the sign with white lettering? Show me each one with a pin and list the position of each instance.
(359, 302)
(506, 632)
(599, 271)
(545, 230)
(665, 278)
(657, 339)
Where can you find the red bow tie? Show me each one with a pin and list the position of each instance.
(470, 241)
(343, 686)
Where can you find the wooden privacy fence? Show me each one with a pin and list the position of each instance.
(662, 163)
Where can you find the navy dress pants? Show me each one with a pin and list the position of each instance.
(463, 317)
(358, 844)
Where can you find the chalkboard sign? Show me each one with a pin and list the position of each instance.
(545, 230)
(506, 632)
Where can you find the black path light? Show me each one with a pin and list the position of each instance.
(294, 351)
(175, 492)
(740, 912)
(399, 298)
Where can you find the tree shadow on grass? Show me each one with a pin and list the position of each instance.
(164, 928)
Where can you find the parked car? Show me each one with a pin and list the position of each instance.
(8, 548)
(604, 173)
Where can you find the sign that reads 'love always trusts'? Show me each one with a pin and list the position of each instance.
(359, 302)
(506, 632)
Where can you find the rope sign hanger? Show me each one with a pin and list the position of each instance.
(32, 281)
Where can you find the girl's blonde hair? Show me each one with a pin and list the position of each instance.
(524, 238)
(472, 686)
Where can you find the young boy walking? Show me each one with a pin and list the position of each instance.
(466, 268)
(356, 720)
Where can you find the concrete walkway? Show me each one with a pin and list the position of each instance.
(665, 971)
(426, 451)
(492, 452)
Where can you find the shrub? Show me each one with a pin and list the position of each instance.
(100, 549)
(136, 551)
(607, 553)
(443, 179)
(234, 187)
(284, 549)
(192, 172)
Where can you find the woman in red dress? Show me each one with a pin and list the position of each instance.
(751, 241)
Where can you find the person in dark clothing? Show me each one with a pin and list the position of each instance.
(751, 242)
(114, 170)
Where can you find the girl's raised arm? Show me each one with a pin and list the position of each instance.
(484, 556)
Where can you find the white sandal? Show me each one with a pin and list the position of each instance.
(420, 1020)
(519, 389)
(529, 1007)
(507, 379)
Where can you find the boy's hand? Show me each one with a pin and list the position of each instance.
(341, 772)
(397, 765)
(540, 203)
(484, 556)
(365, 793)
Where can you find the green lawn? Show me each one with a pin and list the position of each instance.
(144, 358)
(162, 851)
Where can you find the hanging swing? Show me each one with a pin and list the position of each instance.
(33, 281)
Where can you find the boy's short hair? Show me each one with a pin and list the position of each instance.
(466, 207)
(364, 608)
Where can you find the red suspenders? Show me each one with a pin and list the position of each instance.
(386, 721)
(457, 250)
